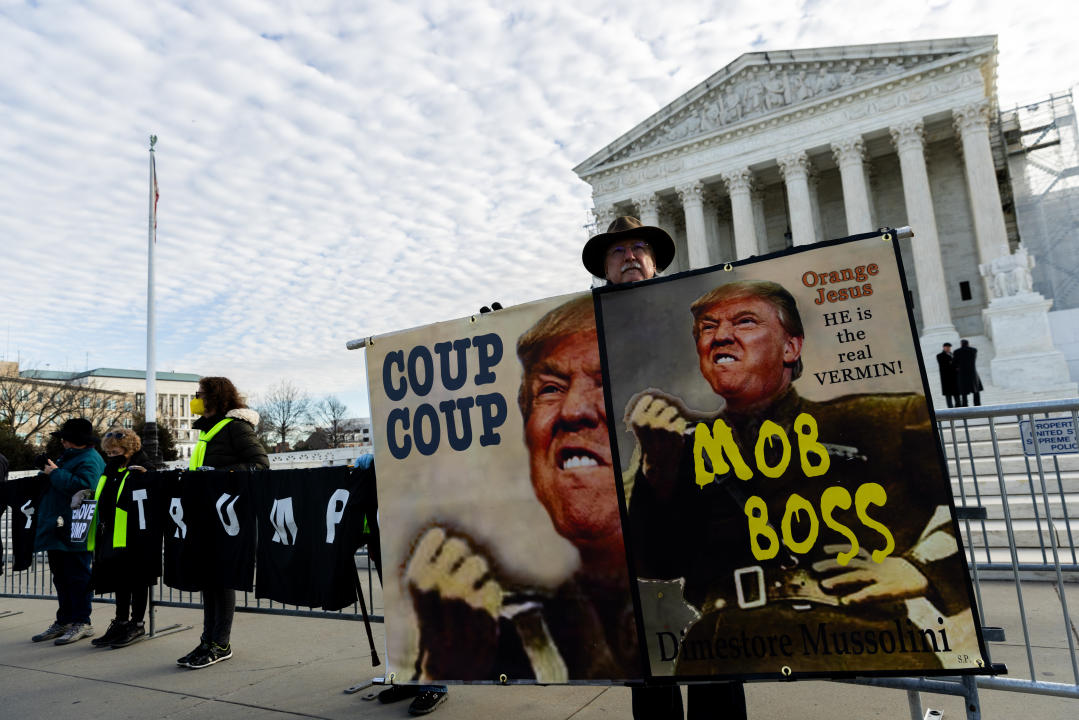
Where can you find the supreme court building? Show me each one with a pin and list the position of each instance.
(780, 149)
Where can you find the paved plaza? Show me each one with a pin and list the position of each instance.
(293, 667)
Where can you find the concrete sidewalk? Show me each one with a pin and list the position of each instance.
(299, 667)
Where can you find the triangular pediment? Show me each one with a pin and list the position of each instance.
(764, 84)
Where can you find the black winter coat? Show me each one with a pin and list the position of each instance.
(235, 446)
(138, 564)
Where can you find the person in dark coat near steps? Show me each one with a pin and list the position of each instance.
(966, 373)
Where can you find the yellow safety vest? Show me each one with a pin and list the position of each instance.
(119, 526)
(200, 447)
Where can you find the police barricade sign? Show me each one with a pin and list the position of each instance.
(788, 508)
(1048, 436)
(724, 473)
(502, 547)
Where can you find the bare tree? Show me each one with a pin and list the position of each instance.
(32, 407)
(282, 410)
(329, 415)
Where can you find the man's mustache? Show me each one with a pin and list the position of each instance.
(631, 265)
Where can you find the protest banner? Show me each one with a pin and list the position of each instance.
(81, 517)
(502, 546)
(788, 509)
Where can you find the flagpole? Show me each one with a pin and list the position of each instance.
(149, 431)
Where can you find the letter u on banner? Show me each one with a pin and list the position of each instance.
(232, 525)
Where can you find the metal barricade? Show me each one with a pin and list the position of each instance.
(36, 582)
(1017, 495)
(1017, 499)
(1022, 492)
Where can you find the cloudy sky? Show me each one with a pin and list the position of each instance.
(330, 170)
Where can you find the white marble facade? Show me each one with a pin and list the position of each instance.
(786, 148)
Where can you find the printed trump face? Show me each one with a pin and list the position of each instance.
(569, 448)
(744, 352)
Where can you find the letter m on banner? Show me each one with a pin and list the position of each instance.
(283, 520)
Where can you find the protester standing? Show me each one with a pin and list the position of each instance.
(120, 566)
(227, 441)
(78, 468)
(631, 252)
(948, 381)
(966, 372)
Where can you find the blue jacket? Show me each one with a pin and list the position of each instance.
(79, 469)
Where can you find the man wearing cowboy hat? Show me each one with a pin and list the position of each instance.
(631, 252)
(628, 252)
(79, 467)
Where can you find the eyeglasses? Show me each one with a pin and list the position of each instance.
(639, 247)
(116, 435)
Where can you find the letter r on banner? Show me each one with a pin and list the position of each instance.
(335, 510)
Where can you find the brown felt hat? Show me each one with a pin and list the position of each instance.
(594, 255)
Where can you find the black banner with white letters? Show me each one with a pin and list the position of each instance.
(23, 496)
(304, 527)
(211, 539)
(309, 527)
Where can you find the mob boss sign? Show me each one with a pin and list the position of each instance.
(767, 462)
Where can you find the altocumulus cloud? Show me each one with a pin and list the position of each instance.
(328, 171)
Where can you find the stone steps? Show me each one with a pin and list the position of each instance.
(1025, 555)
(1028, 534)
(1019, 485)
(976, 444)
(1014, 467)
(1023, 507)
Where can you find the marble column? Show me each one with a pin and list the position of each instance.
(604, 217)
(719, 216)
(795, 171)
(692, 197)
(715, 228)
(745, 231)
(849, 155)
(814, 203)
(937, 327)
(972, 125)
(647, 209)
(760, 222)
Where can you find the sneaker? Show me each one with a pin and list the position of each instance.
(212, 655)
(53, 631)
(183, 661)
(396, 693)
(75, 631)
(427, 701)
(111, 633)
(129, 633)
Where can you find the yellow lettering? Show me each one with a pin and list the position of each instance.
(806, 427)
(873, 494)
(797, 504)
(717, 443)
(832, 498)
(757, 513)
(768, 431)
